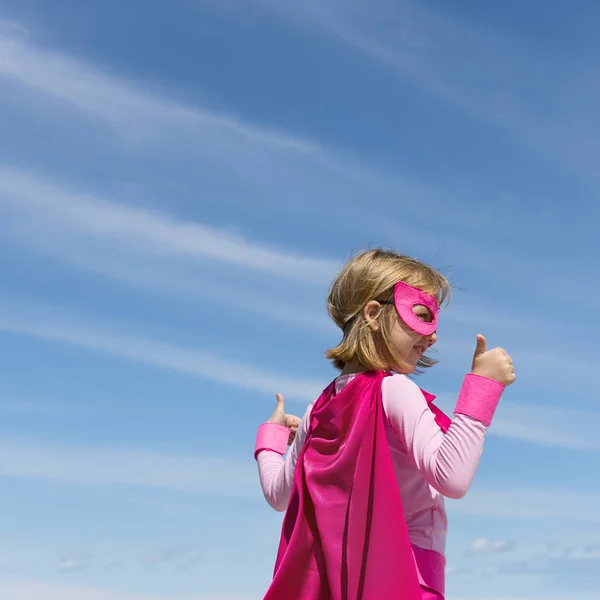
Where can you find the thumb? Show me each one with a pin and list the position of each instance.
(280, 402)
(278, 415)
(481, 346)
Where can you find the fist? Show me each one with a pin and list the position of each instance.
(280, 417)
(494, 364)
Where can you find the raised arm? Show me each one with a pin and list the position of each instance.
(276, 472)
(449, 462)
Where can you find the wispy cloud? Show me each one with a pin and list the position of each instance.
(26, 590)
(27, 196)
(180, 560)
(285, 165)
(110, 466)
(582, 553)
(542, 503)
(105, 96)
(276, 171)
(41, 324)
(145, 249)
(40, 590)
(151, 251)
(446, 54)
(561, 566)
(593, 596)
(486, 546)
(541, 424)
(69, 564)
(548, 426)
(277, 160)
(28, 407)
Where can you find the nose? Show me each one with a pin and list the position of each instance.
(431, 338)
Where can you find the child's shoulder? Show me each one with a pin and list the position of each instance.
(398, 385)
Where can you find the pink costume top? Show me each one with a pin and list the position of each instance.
(427, 463)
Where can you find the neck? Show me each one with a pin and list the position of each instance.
(353, 367)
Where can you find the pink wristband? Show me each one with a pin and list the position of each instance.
(271, 436)
(478, 398)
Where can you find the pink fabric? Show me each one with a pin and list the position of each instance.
(406, 297)
(271, 436)
(431, 568)
(428, 464)
(443, 420)
(344, 534)
(478, 398)
(427, 594)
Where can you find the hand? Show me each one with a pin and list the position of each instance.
(494, 364)
(279, 417)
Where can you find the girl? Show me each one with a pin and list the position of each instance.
(363, 484)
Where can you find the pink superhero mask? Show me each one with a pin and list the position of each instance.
(406, 298)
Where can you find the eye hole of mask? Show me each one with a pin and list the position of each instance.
(423, 313)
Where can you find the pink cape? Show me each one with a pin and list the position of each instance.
(344, 534)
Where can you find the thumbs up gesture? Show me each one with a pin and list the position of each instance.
(280, 417)
(494, 364)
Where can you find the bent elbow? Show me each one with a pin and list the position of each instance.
(277, 501)
(455, 488)
(277, 504)
(456, 492)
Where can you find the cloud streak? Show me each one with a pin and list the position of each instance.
(107, 97)
(199, 363)
(485, 546)
(551, 504)
(445, 54)
(152, 233)
(540, 424)
(110, 466)
(70, 564)
(267, 165)
(259, 154)
(28, 589)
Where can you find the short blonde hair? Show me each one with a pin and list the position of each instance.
(371, 275)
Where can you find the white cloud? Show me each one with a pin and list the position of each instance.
(27, 590)
(548, 426)
(179, 560)
(28, 407)
(145, 231)
(271, 165)
(547, 503)
(39, 590)
(591, 596)
(580, 553)
(483, 545)
(110, 466)
(103, 95)
(149, 250)
(257, 153)
(50, 326)
(287, 167)
(543, 424)
(69, 564)
(445, 54)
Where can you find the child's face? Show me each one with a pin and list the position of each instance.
(410, 345)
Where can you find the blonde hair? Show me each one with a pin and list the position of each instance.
(371, 275)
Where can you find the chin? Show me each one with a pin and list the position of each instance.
(407, 369)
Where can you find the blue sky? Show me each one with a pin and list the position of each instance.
(178, 185)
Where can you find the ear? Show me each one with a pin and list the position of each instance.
(370, 314)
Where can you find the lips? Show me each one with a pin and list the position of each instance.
(420, 348)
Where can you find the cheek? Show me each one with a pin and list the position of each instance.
(404, 337)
